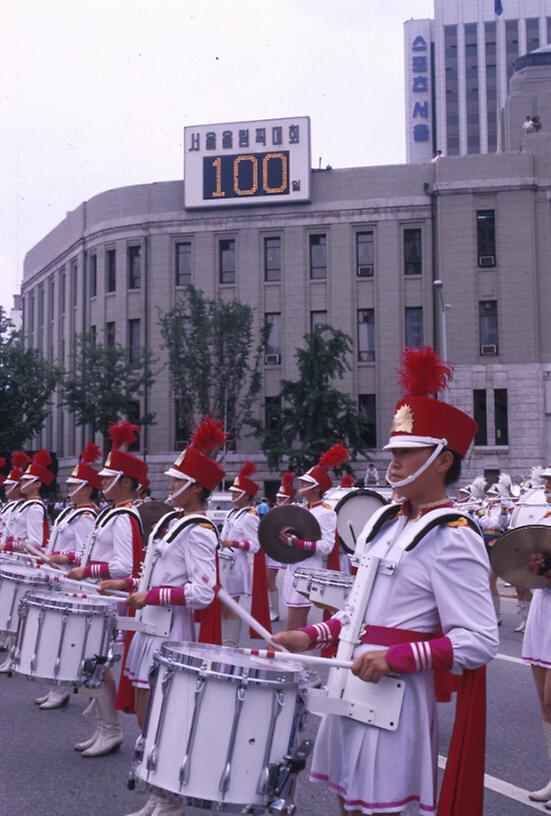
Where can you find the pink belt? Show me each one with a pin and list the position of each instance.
(387, 636)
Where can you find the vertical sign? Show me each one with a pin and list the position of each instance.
(418, 70)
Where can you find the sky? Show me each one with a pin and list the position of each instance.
(95, 95)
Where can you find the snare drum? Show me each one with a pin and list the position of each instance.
(218, 725)
(325, 588)
(64, 638)
(15, 581)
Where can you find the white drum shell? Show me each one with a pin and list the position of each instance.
(529, 509)
(58, 632)
(15, 581)
(223, 670)
(326, 588)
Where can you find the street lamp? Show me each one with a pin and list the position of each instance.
(438, 287)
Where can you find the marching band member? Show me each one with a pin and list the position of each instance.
(113, 551)
(30, 521)
(536, 646)
(494, 521)
(70, 531)
(440, 583)
(285, 495)
(314, 483)
(15, 498)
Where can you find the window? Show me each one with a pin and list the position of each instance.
(273, 343)
(318, 256)
(488, 327)
(272, 413)
(31, 315)
(452, 89)
(133, 341)
(471, 88)
(367, 408)
(480, 416)
(74, 271)
(51, 300)
(226, 261)
(93, 335)
(272, 259)
(501, 417)
(183, 263)
(62, 292)
(110, 335)
(111, 270)
(134, 418)
(491, 84)
(40, 308)
(364, 254)
(532, 34)
(413, 257)
(181, 429)
(414, 327)
(366, 335)
(511, 45)
(93, 274)
(317, 319)
(486, 237)
(134, 267)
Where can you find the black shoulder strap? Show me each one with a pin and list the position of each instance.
(119, 511)
(389, 513)
(191, 522)
(65, 512)
(442, 520)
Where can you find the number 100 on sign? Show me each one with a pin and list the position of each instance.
(246, 175)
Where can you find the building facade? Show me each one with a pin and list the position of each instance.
(455, 252)
(458, 67)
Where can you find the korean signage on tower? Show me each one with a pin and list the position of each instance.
(418, 71)
(260, 162)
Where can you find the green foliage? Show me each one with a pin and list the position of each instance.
(214, 366)
(314, 415)
(26, 385)
(105, 385)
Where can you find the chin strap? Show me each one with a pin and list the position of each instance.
(440, 446)
(113, 483)
(75, 491)
(187, 483)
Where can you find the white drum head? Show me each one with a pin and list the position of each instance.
(530, 509)
(224, 660)
(353, 512)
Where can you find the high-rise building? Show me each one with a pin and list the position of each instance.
(458, 66)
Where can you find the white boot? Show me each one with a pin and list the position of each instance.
(231, 631)
(497, 606)
(166, 808)
(108, 741)
(57, 698)
(544, 794)
(523, 607)
(87, 743)
(109, 738)
(42, 699)
(148, 808)
(6, 665)
(274, 605)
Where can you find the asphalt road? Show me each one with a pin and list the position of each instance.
(41, 774)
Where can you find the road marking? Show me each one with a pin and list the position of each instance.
(512, 659)
(504, 789)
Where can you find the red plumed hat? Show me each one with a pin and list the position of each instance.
(196, 461)
(286, 487)
(242, 481)
(420, 420)
(347, 480)
(84, 472)
(336, 456)
(38, 469)
(19, 461)
(118, 461)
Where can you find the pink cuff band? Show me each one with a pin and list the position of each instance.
(323, 633)
(300, 544)
(97, 569)
(242, 545)
(132, 584)
(166, 596)
(426, 655)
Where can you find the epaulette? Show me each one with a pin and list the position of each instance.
(253, 511)
(326, 505)
(208, 525)
(462, 522)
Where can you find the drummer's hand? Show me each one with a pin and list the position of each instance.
(294, 640)
(371, 666)
(77, 573)
(113, 583)
(226, 543)
(137, 600)
(58, 559)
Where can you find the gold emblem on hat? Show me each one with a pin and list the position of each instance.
(403, 420)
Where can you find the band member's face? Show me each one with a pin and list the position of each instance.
(282, 500)
(29, 486)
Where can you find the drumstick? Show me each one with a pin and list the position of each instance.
(83, 585)
(299, 657)
(353, 533)
(245, 616)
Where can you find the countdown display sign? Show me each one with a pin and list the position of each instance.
(261, 162)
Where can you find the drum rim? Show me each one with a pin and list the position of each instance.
(30, 573)
(354, 493)
(272, 674)
(339, 578)
(63, 602)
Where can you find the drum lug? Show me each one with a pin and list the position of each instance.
(200, 687)
(32, 664)
(166, 684)
(239, 700)
(277, 705)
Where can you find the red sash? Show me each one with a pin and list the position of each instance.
(260, 606)
(125, 693)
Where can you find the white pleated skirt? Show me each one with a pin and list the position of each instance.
(536, 646)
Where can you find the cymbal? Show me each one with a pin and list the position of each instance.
(289, 518)
(513, 551)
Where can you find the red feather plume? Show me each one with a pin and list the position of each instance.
(2, 462)
(209, 435)
(287, 479)
(336, 455)
(423, 373)
(347, 480)
(248, 468)
(91, 453)
(122, 433)
(20, 460)
(43, 458)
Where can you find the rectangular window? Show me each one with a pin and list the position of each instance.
(40, 308)
(367, 408)
(74, 272)
(183, 263)
(110, 335)
(111, 270)
(272, 413)
(93, 335)
(486, 237)
(452, 89)
(511, 45)
(414, 327)
(133, 341)
(318, 256)
(273, 344)
(364, 254)
(317, 319)
(134, 267)
(63, 292)
(226, 260)
(532, 34)
(488, 327)
(480, 416)
(181, 430)
(491, 84)
(471, 88)
(93, 274)
(272, 259)
(31, 315)
(51, 300)
(366, 335)
(501, 416)
(413, 252)
(134, 418)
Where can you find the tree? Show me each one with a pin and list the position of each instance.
(105, 384)
(26, 385)
(213, 362)
(313, 414)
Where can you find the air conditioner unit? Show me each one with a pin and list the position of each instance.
(365, 271)
(487, 260)
(272, 359)
(488, 349)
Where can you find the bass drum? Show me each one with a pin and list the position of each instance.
(353, 511)
(530, 509)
